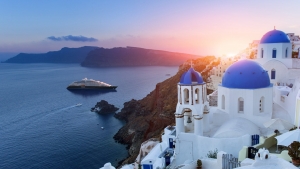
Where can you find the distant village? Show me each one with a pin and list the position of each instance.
(251, 120)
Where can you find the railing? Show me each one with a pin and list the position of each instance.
(229, 162)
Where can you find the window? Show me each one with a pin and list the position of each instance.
(274, 53)
(262, 53)
(286, 53)
(273, 73)
(223, 102)
(241, 105)
(261, 104)
(197, 95)
(180, 96)
(186, 95)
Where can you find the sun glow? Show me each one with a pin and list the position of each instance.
(230, 55)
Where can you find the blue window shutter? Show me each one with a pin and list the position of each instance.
(273, 73)
(274, 53)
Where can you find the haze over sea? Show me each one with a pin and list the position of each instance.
(40, 126)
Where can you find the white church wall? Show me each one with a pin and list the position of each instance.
(280, 53)
(292, 75)
(281, 71)
(190, 147)
(229, 145)
(296, 63)
(266, 94)
(220, 118)
(251, 99)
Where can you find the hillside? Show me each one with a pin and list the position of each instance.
(65, 55)
(133, 56)
(146, 118)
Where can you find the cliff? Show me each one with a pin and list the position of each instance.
(146, 118)
(133, 56)
(65, 55)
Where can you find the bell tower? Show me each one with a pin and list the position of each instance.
(191, 109)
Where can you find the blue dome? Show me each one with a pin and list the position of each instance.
(275, 36)
(191, 77)
(245, 74)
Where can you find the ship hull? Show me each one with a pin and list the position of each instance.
(92, 87)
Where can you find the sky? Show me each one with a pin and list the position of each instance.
(202, 27)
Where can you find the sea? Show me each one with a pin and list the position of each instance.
(42, 128)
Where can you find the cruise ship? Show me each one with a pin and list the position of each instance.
(90, 84)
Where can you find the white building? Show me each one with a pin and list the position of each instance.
(246, 99)
(246, 92)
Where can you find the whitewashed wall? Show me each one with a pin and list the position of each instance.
(280, 54)
(280, 68)
(192, 147)
(251, 103)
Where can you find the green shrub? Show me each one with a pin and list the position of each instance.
(212, 154)
(199, 163)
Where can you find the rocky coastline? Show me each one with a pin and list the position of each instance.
(146, 118)
(103, 107)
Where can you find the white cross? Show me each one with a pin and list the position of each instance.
(192, 64)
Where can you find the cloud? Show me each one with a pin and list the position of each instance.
(72, 38)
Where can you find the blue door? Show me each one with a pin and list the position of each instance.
(167, 160)
(170, 143)
(274, 53)
(147, 166)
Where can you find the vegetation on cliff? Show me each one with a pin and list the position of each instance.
(146, 118)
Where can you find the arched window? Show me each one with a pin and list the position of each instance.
(261, 104)
(241, 105)
(223, 102)
(197, 95)
(180, 96)
(273, 73)
(186, 95)
(262, 53)
(274, 53)
(286, 53)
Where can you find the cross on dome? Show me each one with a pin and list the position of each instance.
(192, 64)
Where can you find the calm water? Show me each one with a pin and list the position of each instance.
(40, 126)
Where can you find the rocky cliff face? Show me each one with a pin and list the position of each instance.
(65, 55)
(146, 118)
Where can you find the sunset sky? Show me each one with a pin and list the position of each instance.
(203, 27)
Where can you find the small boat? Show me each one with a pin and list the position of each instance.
(90, 84)
(78, 104)
(168, 74)
(102, 128)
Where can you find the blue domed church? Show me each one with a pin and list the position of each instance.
(274, 53)
(246, 92)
